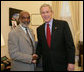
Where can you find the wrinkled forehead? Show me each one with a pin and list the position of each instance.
(25, 14)
(45, 8)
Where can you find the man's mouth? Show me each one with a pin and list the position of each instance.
(26, 22)
(46, 18)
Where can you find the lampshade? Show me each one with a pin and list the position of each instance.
(2, 41)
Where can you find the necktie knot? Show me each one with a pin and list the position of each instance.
(25, 28)
(48, 24)
(28, 35)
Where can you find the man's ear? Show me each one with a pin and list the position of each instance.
(19, 20)
(52, 14)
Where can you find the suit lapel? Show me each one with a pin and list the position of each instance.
(44, 36)
(33, 41)
(43, 32)
(54, 28)
(23, 34)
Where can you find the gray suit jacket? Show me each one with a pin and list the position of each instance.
(20, 50)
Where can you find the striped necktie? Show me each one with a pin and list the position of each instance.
(30, 39)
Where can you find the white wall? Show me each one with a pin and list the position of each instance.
(30, 6)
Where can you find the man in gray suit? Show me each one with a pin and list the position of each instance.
(21, 45)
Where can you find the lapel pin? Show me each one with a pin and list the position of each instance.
(55, 27)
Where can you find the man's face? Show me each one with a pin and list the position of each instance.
(25, 19)
(46, 14)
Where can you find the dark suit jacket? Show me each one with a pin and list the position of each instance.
(62, 49)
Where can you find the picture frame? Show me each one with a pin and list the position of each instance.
(13, 17)
(36, 19)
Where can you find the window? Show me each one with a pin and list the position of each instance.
(65, 11)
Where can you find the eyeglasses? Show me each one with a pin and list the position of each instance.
(26, 17)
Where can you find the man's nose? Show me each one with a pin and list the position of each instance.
(45, 13)
(26, 19)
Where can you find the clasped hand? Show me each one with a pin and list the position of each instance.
(34, 58)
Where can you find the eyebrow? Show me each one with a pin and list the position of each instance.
(26, 17)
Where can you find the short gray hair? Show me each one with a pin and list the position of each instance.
(46, 5)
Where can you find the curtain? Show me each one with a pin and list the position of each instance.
(73, 19)
(66, 15)
(74, 8)
(56, 6)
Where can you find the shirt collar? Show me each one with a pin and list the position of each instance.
(50, 23)
(22, 27)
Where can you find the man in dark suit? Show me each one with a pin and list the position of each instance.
(55, 43)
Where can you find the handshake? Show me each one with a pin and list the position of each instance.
(34, 58)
